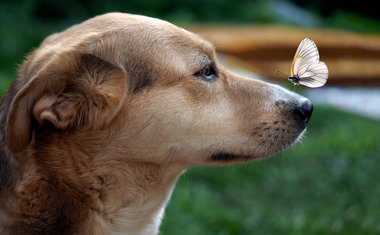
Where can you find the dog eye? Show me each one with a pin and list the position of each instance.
(207, 73)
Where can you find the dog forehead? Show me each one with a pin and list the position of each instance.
(134, 41)
(120, 33)
(158, 33)
(156, 40)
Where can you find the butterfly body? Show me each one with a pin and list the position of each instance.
(306, 68)
(295, 79)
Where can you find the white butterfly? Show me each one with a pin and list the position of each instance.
(306, 68)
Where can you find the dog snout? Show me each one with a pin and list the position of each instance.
(298, 107)
(304, 110)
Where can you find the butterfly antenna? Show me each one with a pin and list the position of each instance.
(279, 72)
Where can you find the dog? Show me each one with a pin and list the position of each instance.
(103, 118)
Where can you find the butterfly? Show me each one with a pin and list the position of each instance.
(306, 68)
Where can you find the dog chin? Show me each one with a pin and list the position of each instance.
(283, 148)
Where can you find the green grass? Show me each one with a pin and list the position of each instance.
(328, 184)
(5, 82)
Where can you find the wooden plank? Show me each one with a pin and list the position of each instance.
(352, 58)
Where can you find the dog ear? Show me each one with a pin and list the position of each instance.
(82, 91)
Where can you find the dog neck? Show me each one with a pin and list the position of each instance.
(73, 192)
(143, 199)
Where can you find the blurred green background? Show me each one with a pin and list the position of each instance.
(327, 184)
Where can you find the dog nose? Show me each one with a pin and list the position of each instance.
(303, 111)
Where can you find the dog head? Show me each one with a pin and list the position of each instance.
(144, 89)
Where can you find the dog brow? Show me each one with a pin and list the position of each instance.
(209, 48)
(142, 83)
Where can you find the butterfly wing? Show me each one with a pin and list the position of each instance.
(306, 53)
(313, 74)
(306, 65)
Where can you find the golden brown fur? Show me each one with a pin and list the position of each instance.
(104, 117)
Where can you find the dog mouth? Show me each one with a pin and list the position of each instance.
(224, 156)
(232, 158)
(267, 144)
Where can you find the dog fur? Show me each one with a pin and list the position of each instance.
(104, 117)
